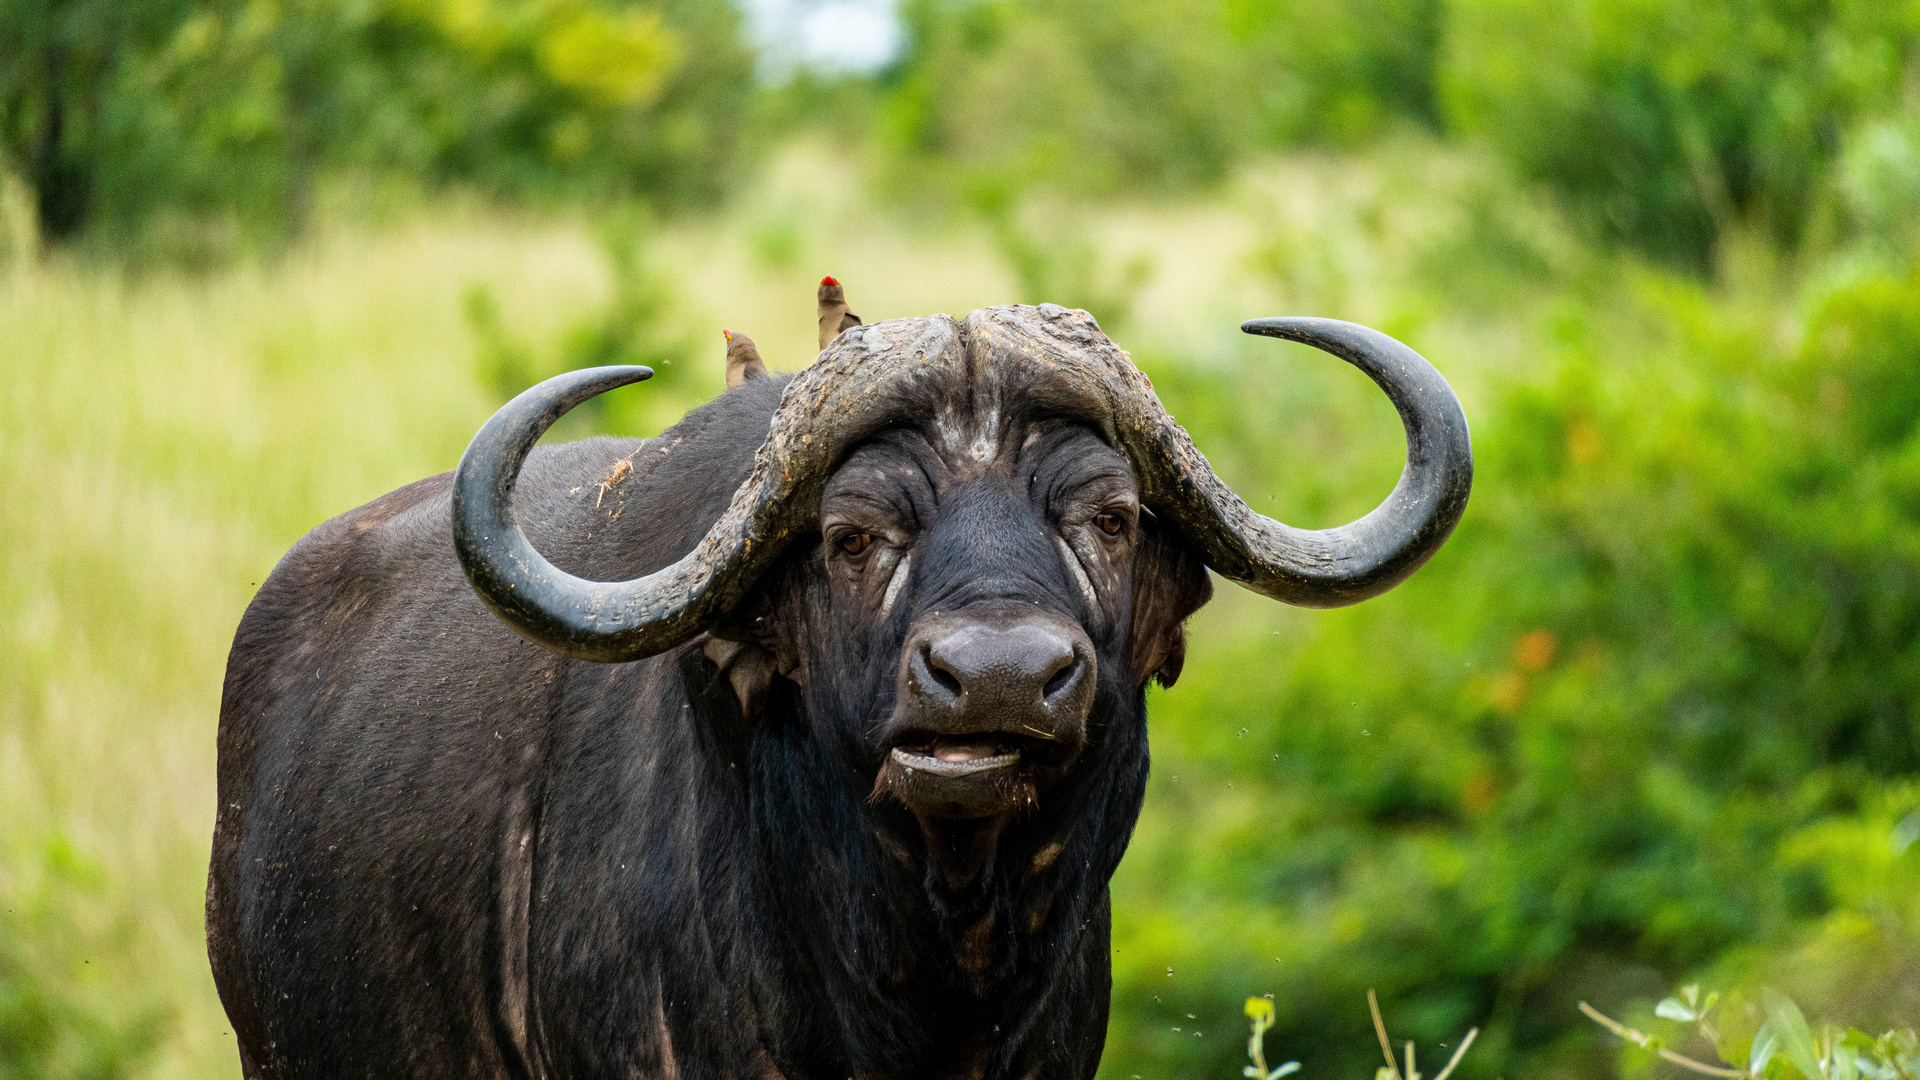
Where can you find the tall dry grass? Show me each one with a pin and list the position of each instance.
(162, 441)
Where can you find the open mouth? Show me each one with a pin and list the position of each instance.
(958, 756)
(968, 775)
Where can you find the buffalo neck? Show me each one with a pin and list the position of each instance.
(890, 942)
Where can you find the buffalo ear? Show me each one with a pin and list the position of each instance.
(749, 669)
(749, 648)
(1170, 583)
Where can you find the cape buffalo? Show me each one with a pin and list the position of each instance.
(800, 740)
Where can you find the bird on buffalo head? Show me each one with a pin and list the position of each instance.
(743, 359)
(835, 319)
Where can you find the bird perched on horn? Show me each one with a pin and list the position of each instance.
(835, 319)
(743, 359)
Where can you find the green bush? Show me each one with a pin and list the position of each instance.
(167, 119)
(1762, 1035)
(1155, 94)
(1668, 122)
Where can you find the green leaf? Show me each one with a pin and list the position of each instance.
(1901, 1050)
(1873, 1069)
(1855, 1039)
(1765, 1045)
(1845, 1063)
(1260, 1010)
(1675, 1009)
(1790, 1027)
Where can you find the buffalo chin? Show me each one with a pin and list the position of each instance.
(935, 785)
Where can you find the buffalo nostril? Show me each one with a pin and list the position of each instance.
(1061, 679)
(936, 672)
(947, 681)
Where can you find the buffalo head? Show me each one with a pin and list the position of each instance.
(967, 542)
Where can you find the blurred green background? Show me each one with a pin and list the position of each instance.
(1650, 717)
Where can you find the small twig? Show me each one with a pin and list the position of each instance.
(1686, 1062)
(621, 469)
(1380, 1028)
(1457, 1054)
(1412, 1073)
(1613, 1025)
(1641, 1040)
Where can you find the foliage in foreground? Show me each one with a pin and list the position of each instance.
(1764, 1039)
(1767, 1039)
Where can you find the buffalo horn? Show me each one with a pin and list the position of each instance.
(528, 593)
(1323, 567)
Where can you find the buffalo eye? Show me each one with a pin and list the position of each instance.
(855, 543)
(1109, 523)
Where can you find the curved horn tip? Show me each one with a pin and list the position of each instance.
(561, 392)
(610, 376)
(1369, 556)
(1308, 329)
(1271, 324)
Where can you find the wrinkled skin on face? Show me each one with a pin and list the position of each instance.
(964, 619)
(1014, 583)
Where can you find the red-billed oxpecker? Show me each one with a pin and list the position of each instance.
(835, 319)
(743, 359)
